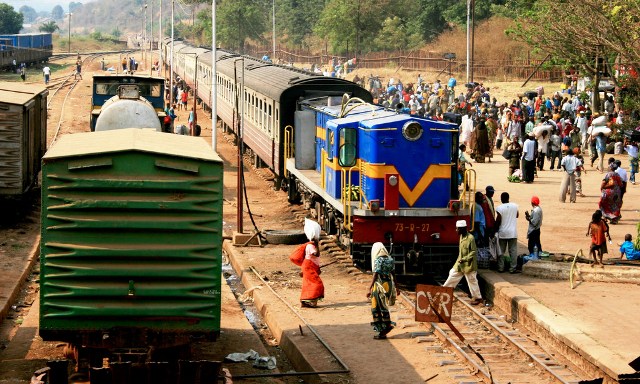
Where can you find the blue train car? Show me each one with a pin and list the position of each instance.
(377, 175)
(30, 48)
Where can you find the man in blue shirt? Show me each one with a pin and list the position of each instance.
(627, 249)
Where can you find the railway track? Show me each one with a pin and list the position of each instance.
(57, 86)
(496, 349)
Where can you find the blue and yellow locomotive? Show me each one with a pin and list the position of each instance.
(372, 175)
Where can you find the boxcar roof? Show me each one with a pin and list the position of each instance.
(131, 139)
(19, 94)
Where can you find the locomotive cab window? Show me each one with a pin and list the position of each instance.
(347, 150)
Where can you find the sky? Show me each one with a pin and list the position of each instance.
(38, 5)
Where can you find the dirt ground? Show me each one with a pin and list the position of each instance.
(344, 317)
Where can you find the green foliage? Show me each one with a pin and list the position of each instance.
(49, 27)
(629, 95)
(28, 13)
(10, 20)
(392, 36)
(57, 12)
(116, 33)
(74, 6)
(295, 20)
(239, 20)
(97, 35)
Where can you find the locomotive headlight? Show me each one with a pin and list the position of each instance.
(393, 181)
(412, 130)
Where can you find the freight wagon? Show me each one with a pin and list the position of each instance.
(23, 136)
(30, 49)
(131, 245)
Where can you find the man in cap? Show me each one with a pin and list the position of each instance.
(466, 265)
(581, 123)
(535, 222)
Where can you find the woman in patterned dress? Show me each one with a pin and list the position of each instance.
(383, 290)
(611, 197)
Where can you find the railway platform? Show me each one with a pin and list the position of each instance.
(594, 322)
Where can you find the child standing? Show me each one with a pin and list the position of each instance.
(598, 228)
(579, 170)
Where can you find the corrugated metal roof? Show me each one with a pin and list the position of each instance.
(19, 94)
(145, 140)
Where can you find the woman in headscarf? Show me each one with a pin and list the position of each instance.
(611, 198)
(382, 291)
(312, 287)
(482, 149)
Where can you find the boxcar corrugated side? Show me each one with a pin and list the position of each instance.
(131, 240)
(23, 136)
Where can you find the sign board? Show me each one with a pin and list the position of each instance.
(441, 299)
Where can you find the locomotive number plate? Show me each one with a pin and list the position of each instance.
(423, 227)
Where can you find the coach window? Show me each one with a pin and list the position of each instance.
(269, 118)
(260, 115)
(347, 156)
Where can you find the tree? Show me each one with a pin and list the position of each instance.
(28, 13)
(581, 33)
(49, 27)
(116, 33)
(239, 20)
(73, 6)
(10, 20)
(295, 20)
(57, 12)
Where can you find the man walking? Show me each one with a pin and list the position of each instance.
(46, 71)
(466, 265)
(507, 224)
(569, 163)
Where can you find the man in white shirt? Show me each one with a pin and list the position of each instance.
(623, 176)
(46, 71)
(569, 164)
(528, 159)
(507, 224)
(581, 123)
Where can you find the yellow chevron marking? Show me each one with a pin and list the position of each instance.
(434, 171)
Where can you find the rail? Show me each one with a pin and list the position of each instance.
(534, 355)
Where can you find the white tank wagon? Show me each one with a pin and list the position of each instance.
(127, 109)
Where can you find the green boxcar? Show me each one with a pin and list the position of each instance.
(131, 240)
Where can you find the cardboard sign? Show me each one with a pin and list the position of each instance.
(430, 297)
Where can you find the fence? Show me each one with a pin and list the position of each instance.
(422, 61)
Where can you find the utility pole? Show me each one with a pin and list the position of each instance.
(151, 41)
(214, 79)
(69, 38)
(173, 6)
(273, 56)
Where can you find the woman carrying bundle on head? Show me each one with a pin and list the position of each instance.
(382, 291)
(312, 286)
